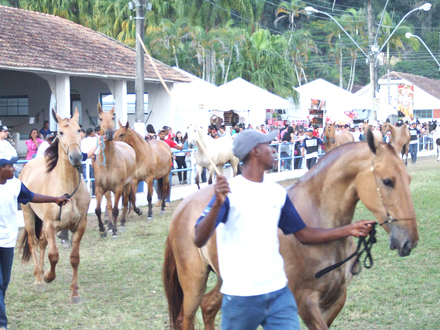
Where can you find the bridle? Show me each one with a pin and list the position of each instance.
(389, 218)
(366, 242)
(79, 168)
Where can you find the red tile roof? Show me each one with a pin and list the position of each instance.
(429, 85)
(37, 42)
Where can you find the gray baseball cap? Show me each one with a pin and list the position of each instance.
(245, 141)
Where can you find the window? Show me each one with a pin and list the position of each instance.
(107, 102)
(14, 106)
(423, 113)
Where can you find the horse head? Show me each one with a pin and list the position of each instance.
(192, 136)
(107, 122)
(385, 192)
(69, 137)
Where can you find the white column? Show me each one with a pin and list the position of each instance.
(118, 88)
(62, 95)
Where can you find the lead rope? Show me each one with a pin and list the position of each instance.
(79, 168)
(368, 260)
(102, 148)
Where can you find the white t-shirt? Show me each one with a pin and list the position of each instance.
(7, 148)
(87, 144)
(42, 148)
(9, 193)
(247, 236)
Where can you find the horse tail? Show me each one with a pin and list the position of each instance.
(24, 244)
(173, 289)
(162, 188)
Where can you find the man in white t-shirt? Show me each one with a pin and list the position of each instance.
(254, 283)
(5, 145)
(12, 192)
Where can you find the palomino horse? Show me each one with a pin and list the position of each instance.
(371, 172)
(401, 133)
(153, 162)
(434, 128)
(56, 174)
(220, 151)
(114, 167)
(334, 139)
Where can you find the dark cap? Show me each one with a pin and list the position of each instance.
(7, 159)
(245, 141)
(4, 128)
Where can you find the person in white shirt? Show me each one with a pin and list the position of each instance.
(251, 266)
(5, 145)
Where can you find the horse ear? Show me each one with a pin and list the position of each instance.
(401, 138)
(374, 138)
(127, 125)
(112, 111)
(76, 114)
(99, 108)
(55, 116)
(120, 124)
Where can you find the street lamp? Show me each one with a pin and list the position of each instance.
(410, 35)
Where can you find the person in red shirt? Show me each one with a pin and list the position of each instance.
(316, 131)
(174, 145)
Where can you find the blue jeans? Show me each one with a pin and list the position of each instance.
(273, 311)
(6, 259)
(413, 151)
(170, 179)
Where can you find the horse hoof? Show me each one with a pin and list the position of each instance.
(46, 277)
(162, 212)
(40, 287)
(103, 234)
(115, 236)
(106, 221)
(150, 218)
(138, 211)
(75, 300)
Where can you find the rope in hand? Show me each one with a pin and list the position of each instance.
(367, 243)
(102, 148)
(79, 168)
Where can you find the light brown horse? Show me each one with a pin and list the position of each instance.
(153, 162)
(334, 139)
(56, 174)
(402, 133)
(371, 172)
(114, 166)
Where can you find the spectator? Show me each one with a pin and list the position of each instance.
(87, 144)
(286, 150)
(32, 144)
(45, 131)
(83, 134)
(151, 133)
(44, 145)
(180, 158)
(12, 192)
(263, 129)
(5, 146)
(413, 143)
(310, 148)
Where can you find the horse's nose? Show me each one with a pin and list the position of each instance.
(109, 134)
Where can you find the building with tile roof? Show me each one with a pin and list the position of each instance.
(48, 61)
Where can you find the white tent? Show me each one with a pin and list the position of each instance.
(337, 99)
(248, 100)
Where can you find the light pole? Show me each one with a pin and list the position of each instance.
(139, 125)
(410, 35)
(374, 49)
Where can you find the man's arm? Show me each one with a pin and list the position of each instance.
(207, 225)
(49, 199)
(310, 235)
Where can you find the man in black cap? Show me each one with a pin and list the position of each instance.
(247, 212)
(414, 142)
(12, 192)
(310, 148)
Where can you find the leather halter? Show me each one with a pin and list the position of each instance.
(390, 218)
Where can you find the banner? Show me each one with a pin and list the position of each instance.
(405, 101)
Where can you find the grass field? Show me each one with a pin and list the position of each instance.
(120, 280)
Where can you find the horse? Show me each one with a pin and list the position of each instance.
(401, 132)
(334, 139)
(220, 151)
(55, 174)
(434, 128)
(114, 166)
(368, 171)
(153, 162)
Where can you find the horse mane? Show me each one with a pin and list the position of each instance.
(51, 155)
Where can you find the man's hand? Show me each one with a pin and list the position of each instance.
(62, 200)
(361, 228)
(221, 188)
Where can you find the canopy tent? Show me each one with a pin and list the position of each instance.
(243, 97)
(337, 99)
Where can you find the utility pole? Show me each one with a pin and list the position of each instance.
(139, 125)
(371, 54)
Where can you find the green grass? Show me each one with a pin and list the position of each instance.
(121, 288)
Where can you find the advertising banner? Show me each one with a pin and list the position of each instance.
(405, 101)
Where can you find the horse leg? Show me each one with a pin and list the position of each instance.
(125, 199)
(166, 189)
(112, 224)
(336, 308)
(108, 205)
(99, 193)
(134, 188)
(53, 255)
(199, 170)
(150, 197)
(211, 304)
(308, 309)
(75, 259)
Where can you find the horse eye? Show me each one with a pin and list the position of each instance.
(79, 131)
(100, 119)
(388, 183)
(61, 133)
